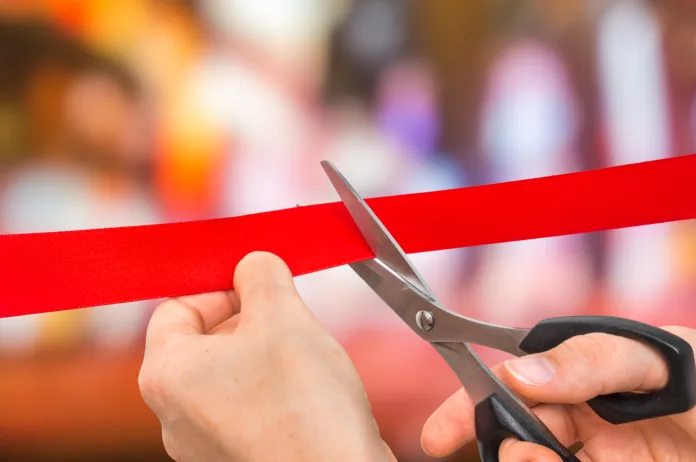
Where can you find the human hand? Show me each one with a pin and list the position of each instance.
(250, 375)
(563, 379)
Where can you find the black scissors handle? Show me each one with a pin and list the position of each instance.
(499, 418)
(498, 413)
(678, 396)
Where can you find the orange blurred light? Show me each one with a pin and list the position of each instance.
(72, 16)
(190, 155)
(115, 26)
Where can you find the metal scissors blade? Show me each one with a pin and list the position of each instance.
(406, 292)
(392, 276)
(410, 304)
(380, 241)
(431, 321)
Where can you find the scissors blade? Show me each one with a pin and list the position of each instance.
(396, 292)
(445, 326)
(380, 241)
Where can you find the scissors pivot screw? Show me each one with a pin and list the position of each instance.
(425, 320)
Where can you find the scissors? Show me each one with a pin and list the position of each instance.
(500, 414)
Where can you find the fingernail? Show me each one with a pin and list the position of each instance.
(532, 370)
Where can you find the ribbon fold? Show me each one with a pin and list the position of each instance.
(55, 271)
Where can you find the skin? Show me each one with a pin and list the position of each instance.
(563, 379)
(251, 375)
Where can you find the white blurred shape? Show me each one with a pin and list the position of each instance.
(529, 130)
(376, 167)
(529, 114)
(631, 73)
(42, 199)
(524, 282)
(19, 334)
(258, 181)
(640, 266)
(442, 270)
(120, 325)
(240, 98)
(373, 165)
(632, 79)
(270, 132)
(27, 205)
(343, 303)
(370, 160)
(270, 22)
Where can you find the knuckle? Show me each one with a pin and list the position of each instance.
(150, 385)
(592, 349)
(169, 443)
(167, 306)
(155, 383)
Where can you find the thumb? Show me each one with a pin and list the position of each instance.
(584, 367)
(264, 283)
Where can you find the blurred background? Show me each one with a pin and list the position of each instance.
(130, 112)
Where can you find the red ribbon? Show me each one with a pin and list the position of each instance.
(67, 270)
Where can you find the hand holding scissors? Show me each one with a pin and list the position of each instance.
(499, 413)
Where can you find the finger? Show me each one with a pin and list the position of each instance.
(587, 366)
(228, 325)
(452, 426)
(262, 281)
(512, 450)
(195, 314)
